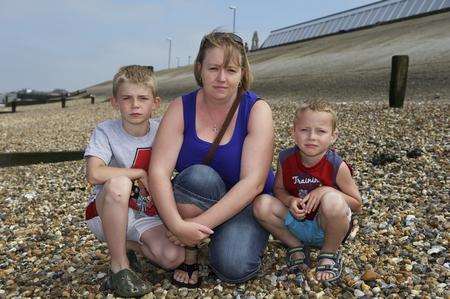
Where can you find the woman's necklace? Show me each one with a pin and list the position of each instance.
(215, 127)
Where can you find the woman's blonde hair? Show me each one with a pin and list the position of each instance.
(233, 46)
(142, 75)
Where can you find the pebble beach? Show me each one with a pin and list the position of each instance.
(398, 247)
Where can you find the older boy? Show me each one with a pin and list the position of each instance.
(119, 211)
(315, 194)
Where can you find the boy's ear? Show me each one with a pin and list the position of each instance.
(113, 102)
(335, 135)
(157, 102)
(292, 131)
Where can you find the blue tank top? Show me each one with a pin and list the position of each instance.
(227, 159)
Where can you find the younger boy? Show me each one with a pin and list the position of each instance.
(121, 212)
(315, 194)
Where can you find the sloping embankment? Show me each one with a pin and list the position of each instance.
(350, 66)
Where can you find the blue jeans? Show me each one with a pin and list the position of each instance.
(237, 245)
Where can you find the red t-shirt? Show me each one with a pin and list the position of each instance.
(299, 180)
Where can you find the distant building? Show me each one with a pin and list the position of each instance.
(368, 15)
(255, 41)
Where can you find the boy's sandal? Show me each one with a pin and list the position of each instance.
(134, 262)
(335, 269)
(189, 269)
(126, 283)
(297, 265)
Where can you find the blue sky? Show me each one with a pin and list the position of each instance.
(71, 44)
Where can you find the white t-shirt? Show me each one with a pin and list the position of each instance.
(111, 143)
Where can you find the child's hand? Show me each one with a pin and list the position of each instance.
(143, 179)
(296, 208)
(311, 201)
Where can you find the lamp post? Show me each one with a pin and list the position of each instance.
(234, 8)
(170, 50)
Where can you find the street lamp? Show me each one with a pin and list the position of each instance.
(170, 50)
(232, 7)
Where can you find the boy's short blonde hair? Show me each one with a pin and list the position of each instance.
(137, 74)
(319, 105)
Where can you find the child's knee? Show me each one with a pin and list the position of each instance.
(168, 257)
(333, 205)
(118, 189)
(262, 207)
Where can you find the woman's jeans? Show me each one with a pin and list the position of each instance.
(237, 245)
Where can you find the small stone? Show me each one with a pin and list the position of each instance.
(365, 288)
(435, 249)
(409, 220)
(370, 275)
(71, 269)
(414, 153)
(358, 293)
(101, 275)
(376, 290)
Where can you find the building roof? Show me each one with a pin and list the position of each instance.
(368, 15)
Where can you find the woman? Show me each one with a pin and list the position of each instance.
(219, 196)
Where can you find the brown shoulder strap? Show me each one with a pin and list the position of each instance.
(226, 123)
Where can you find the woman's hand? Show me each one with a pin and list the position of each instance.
(296, 208)
(189, 233)
(312, 200)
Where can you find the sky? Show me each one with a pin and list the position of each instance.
(72, 44)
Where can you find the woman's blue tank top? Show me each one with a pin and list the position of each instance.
(227, 159)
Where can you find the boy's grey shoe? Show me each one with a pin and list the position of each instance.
(135, 264)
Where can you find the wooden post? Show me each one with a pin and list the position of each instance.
(13, 106)
(399, 75)
(63, 101)
(92, 98)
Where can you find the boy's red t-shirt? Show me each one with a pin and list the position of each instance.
(299, 180)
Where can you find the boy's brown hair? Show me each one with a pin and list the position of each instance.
(137, 74)
(319, 105)
(233, 46)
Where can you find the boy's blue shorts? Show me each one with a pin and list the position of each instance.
(308, 232)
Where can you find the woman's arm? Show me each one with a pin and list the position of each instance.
(256, 158)
(279, 191)
(165, 150)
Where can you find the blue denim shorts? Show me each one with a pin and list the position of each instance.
(308, 232)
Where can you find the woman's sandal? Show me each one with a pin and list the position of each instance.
(335, 268)
(126, 283)
(296, 266)
(189, 269)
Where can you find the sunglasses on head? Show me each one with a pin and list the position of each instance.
(236, 38)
